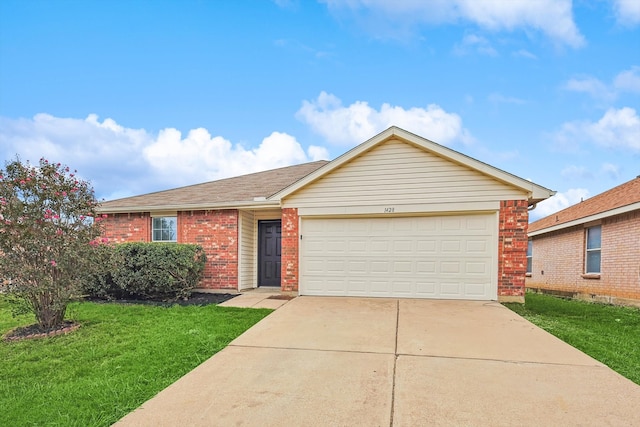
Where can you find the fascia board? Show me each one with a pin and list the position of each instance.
(586, 219)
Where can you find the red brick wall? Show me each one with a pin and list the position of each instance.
(134, 227)
(512, 249)
(215, 231)
(558, 261)
(290, 245)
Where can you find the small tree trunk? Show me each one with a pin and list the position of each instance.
(49, 312)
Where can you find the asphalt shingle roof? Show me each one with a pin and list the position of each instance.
(245, 188)
(622, 195)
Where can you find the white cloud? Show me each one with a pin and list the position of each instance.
(522, 53)
(472, 43)
(625, 81)
(611, 170)
(558, 202)
(121, 161)
(358, 122)
(201, 157)
(627, 12)
(617, 129)
(551, 17)
(628, 80)
(591, 86)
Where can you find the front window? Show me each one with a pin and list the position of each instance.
(164, 229)
(594, 235)
(529, 255)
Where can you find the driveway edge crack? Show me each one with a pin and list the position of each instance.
(395, 363)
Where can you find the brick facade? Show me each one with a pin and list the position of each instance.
(128, 227)
(512, 250)
(290, 245)
(216, 231)
(558, 262)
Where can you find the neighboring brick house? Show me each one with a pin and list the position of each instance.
(590, 250)
(397, 216)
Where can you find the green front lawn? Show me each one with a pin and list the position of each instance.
(610, 334)
(121, 356)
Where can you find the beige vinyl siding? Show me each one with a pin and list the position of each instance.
(397, 173)
(247, 251)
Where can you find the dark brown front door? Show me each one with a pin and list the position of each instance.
(269, 251)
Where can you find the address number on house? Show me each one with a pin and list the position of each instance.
(389, 210)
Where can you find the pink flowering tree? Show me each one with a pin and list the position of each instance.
(49, 231)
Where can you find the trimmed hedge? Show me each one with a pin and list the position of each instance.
(158, 271)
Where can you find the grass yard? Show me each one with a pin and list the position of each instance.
(121, 356)
(610, 334)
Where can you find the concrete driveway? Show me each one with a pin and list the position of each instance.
(401, 362)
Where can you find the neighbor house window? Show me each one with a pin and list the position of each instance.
(164, 229)
(529, 255)
(593, 249)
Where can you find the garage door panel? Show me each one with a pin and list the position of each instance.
(336, 247)
(472, 267)
(426, 289)
(476, 290)
(380, 266)
(426, 267)
(402, 288)
(335, 266)
(426, 247)
(400, 267)
(450, 267)
(357, 267)
(476, 246)
(379, 247)
(379, 288)
(358, 246)
(450, 289)
(477, 224)
(428, 257)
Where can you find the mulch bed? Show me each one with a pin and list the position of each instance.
(196, 298)
(35, 331)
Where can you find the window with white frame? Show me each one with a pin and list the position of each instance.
(164, 229)
(592, 256)
(529, 255)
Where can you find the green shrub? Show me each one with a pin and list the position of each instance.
(100, 283)
(159, 271)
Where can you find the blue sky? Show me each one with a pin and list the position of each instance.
(140, 96)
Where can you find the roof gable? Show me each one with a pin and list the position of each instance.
(624, 197)
(238, 191)
(402, 175)
(535, 192)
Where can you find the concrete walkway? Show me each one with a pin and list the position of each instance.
(259, 298)
(388, 362)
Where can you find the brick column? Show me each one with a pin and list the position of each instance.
(512, 250)
(290, 246)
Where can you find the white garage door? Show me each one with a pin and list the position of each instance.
(448, 257)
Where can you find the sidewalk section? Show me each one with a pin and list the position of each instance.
(259, 298)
